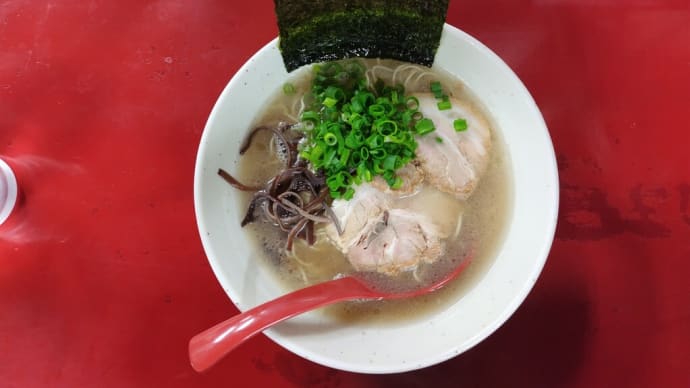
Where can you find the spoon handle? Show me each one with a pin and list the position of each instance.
(210, 346)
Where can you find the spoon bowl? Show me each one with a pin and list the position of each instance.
(211, 345)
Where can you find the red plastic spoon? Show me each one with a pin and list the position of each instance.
(210, 346)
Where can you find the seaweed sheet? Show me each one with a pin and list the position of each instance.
(319, 31)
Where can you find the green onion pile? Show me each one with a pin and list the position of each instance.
(354, 134)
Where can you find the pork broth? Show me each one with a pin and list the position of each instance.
(482, 219)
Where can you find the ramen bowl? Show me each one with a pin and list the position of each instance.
(358, 345)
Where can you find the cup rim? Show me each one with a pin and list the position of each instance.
(8, 196)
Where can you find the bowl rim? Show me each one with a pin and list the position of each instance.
(452, 33)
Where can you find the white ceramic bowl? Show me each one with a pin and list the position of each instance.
(418, 343)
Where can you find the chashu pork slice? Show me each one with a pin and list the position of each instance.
(377, 236)
(400, 241)
(357, 216)
(454, 163)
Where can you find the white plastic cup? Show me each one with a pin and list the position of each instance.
(8, 191)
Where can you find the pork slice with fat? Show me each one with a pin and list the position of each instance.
(454, 163)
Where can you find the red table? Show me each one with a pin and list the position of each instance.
(103, 279)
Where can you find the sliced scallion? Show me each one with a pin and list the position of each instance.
(460, 125)
(289, 89)
(444, 104)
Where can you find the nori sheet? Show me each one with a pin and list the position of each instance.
(326, 30)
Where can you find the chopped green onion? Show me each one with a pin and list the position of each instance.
(288, 89)
(330, 139)
(460, 125)
(333, 183)
(377, 110)
(354, 140)
(394, 97)
(335, 93)
(330, 102)
(439, 139)
(389, 162)
(386, 127)
(378, 153)
(358, 123)
(424, 126)
(309, 115)
(412, 103)
(354, 133)
(378, 168)
(356, 106)
(364, 172)
(364, 98)
(344, 156)
(437, 89)
(444, 104)
(397, 183)
(307, 125)
(329, 156)
(374, 141)
(349, 193)
(407, 118)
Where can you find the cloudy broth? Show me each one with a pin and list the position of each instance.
(485, 214)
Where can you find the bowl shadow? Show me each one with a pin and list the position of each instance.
(542, 345)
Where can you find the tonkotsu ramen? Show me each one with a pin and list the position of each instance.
(386, 169)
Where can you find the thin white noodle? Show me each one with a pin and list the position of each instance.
(367, 76)
(458, 226)
(279, 157)
(294, 256)
(407, 80)
(302, 105)
(401, 69)
(411, 73)
(271, 147)
(287, 112)
(381, 67)
(415, 275)
(420, 75)
(305, 279)
(295, 110)
(301, 264)
(320, 233)
(371, 73)
(424, 74)
(395, 74)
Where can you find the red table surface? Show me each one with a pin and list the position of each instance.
(103, 278)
